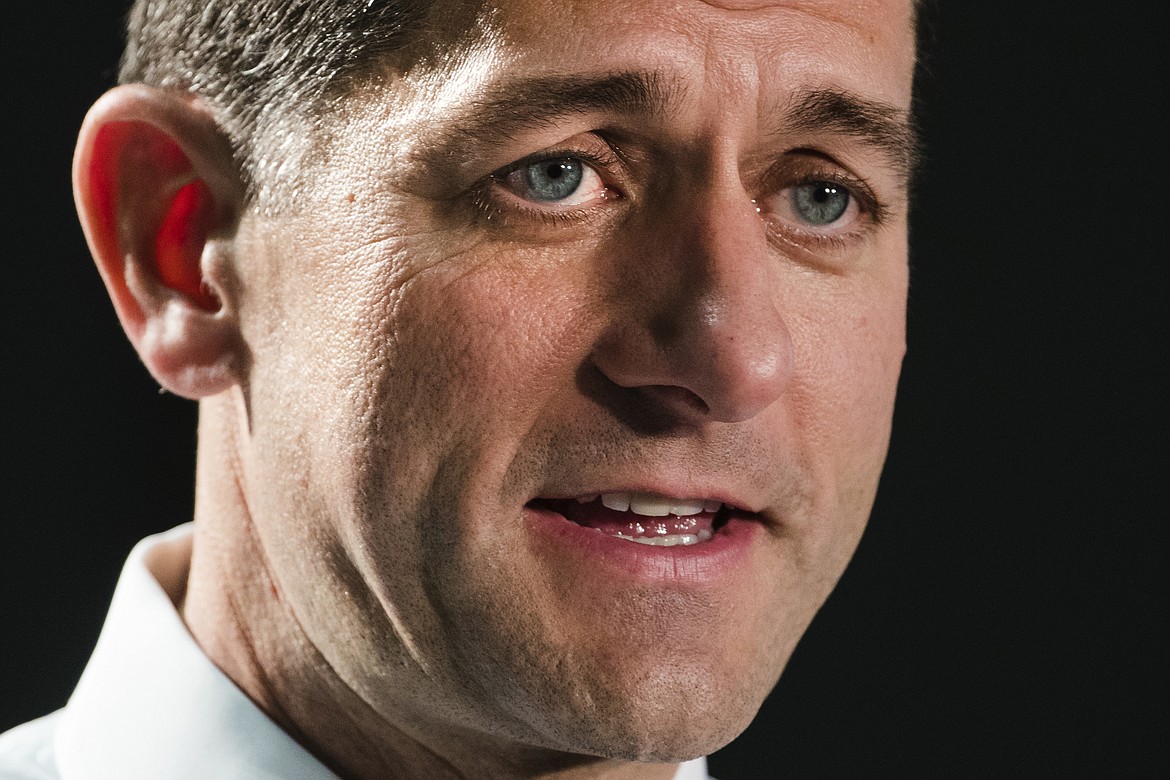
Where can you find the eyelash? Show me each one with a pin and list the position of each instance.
(872, 213)
(493, 204)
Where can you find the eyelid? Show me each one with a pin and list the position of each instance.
(601, 164)
(493, 198)
(811, 165)
(589, 187)
(803, 167)
(822, 170)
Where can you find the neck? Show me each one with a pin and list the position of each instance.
(235, 611)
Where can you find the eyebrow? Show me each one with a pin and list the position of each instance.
(510, 108)
(882, 126)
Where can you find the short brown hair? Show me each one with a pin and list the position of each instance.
(255, 62)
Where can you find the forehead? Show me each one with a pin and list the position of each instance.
(486, 84)
(717, 49)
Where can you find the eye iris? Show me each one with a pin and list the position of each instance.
(820, 203)
(551, 180)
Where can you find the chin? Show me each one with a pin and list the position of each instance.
(655, 743)
(668, 717)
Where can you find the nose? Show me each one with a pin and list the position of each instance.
(698, 331)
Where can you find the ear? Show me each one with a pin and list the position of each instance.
(159, 198)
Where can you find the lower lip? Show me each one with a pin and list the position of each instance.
(702, 564)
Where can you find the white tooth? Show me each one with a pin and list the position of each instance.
(619, 502)
(648, 505)
(712, 506)
(672, 540)
(587, 499)
(685, 508)
(704, 535)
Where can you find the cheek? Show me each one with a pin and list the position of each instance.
(849, 335)
(510, 336)
(319, 314)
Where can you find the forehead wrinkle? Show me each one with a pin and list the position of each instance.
(857, 16)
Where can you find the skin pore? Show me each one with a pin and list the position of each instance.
(574, 257)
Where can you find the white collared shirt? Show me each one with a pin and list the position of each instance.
(151, 706)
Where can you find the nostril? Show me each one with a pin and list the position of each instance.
(675, 397)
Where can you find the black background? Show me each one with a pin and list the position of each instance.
(1005, 612)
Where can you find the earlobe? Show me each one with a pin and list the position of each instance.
(159, 198)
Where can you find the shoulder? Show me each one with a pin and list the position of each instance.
(26, 752)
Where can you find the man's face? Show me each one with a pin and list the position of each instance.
(652, 248)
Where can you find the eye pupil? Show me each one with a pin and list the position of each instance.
(820, 203)
(553, 180)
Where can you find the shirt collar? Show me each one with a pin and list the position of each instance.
(150, 704)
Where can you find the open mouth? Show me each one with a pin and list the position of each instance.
(643, 518)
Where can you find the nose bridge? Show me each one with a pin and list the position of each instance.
(735, 343)
(706, 319)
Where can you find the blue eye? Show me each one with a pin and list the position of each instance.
(552, 180)
(556, 183)
(820, 203)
